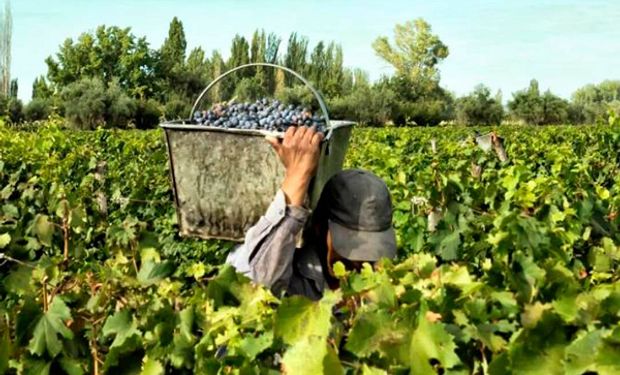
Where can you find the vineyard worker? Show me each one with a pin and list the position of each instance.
(352, 223)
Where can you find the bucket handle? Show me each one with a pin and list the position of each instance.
(316, 94)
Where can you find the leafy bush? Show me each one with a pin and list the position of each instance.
(536, 109)
(38, 109)
(89, 103)
(365, 105)
(85, 103)
(479, 108)
(120, 108)
(297, 95)
(249, 89)
(177, 109)
(594, 101)
(422, 103)
(15, 110)
(148, 114)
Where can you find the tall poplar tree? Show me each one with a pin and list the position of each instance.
(6, 34)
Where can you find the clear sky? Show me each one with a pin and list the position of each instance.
(563, 43)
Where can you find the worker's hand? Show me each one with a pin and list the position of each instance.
(299, 151)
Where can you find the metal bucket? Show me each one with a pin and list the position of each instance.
(224, 179)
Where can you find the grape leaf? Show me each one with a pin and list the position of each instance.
(152, 367)
(430, 341)
(372, 332)
(151, 272)
(127, 337)
(449, 246)
(5, 240)
(298, 317)
(580, 355)
(71, 366)
(37, 367)
(311, 356)
(49, 326)
(252, 346)
(43, 229)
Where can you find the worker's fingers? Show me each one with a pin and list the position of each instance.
(317, 138)
(300, 133)
(290, 132)
(309, 134)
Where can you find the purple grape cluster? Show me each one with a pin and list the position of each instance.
(263, 114)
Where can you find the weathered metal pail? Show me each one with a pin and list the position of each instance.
(224, 179)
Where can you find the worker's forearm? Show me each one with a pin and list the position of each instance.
(295, 188)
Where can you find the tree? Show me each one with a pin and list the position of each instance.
(148, 113)
(480, 108)
(364, 104)
(6, 35)
(89, 103)
(15, 110)
(172, 52)
(14, 88)
(272, 49)
(295, 58)
(218, 67)
(172, 74)
(40, 89)
(318, 66)
(38, 109)
(258, 54)
(110, 52)
(334, 80)
(593, 102)
(533, 108)
(414, 53)
(240, 55)
(249, 89)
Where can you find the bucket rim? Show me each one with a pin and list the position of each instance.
(186, 125)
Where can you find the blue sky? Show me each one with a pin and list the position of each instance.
(504, 44)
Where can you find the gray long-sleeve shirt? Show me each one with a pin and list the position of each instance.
(269, 255)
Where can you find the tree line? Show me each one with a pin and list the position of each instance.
(112, 78)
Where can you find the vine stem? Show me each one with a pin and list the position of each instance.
(65, 232)
(133, 246)
(94, 351)
(485, 364)
(45, 306)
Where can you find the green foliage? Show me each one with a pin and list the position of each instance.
(249, 89)
(298, 95)
(172, 52)
(148, 114)
(38, 109)
(519, 274)
(593, 102)
(15, 110)
(89, 103)
(365, 104)
(14, 89)
(479, 108)
(296, 56)
(107, 53)
(177, 109)
(536, 109)
(40, 89)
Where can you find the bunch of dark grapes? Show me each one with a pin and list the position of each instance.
(263, 114)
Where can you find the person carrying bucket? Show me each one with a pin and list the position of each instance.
(352, 223)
